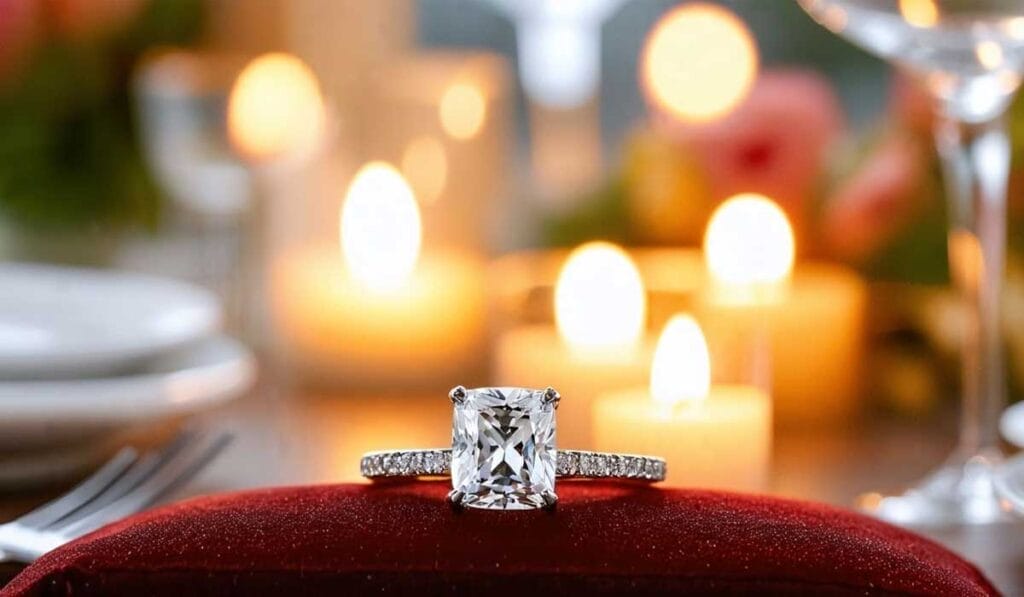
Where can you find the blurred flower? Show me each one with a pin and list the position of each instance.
(775, 143)
(17, 30)
(878, 200)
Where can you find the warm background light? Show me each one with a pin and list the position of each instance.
(425, 165)
(990, 54)
(919, 13)
(462, 111)
(681, 370)
(599, 298)
(380, 227)
(698, 62)
(275, 107)
(749, 241)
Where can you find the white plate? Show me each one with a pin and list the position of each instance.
(67, 322)
(1010, 483)
(44, 413)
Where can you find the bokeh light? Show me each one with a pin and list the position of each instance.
(275, 107)
(463, 111)
(698, 62)
(990, 54)
(919, 13)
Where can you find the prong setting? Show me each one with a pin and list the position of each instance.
(551, 396)
(455, 497)
(457, 395)
(550, 500)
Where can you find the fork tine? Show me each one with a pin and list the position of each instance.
(132, 477)
(82, 493)
(175, 471)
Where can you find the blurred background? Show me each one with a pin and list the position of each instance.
(265, 151)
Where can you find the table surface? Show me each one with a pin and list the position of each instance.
(292, 437)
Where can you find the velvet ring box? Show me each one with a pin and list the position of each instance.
(403, 538)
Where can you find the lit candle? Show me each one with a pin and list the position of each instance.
(379, 314)
(811, 316)
(711, 436)
(275, 108)
(597, 344)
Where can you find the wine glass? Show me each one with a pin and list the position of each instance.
(969, 54)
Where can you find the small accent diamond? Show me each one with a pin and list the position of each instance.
(403, 462)
(568, 463)
(588, 464)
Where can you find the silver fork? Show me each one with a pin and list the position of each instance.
(126, 484)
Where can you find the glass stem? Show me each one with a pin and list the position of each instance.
(976, 161)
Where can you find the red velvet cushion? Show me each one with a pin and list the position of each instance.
(403, 538)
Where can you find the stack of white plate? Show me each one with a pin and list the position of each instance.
(86, 355)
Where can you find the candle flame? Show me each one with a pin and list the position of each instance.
(749, 241)
(599, 298)
(681, 370)
(380, 227)
(275, 107)
(462, 111)
(699, 62)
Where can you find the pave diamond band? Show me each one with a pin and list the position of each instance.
(570, 464)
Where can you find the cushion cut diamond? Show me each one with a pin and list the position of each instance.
(503, 448)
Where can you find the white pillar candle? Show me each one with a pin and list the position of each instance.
(377, 314)
(711, 436)
(810, 316)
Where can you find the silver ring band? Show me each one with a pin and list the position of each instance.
(569, 464)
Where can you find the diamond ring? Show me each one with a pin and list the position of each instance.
(503, 454)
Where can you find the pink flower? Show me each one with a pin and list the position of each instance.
(881, 196)
(775, 143)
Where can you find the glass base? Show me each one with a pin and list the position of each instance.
(960, 492)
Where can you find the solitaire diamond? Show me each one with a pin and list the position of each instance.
(503, 448)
